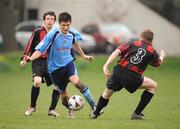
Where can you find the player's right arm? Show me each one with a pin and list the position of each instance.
(29, 48)
(111, 58)
(122, 49)
(41, 48)
(34, 56)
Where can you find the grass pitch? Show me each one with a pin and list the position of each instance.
(15, 84)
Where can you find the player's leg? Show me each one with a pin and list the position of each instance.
(35, 90)
(74, 79)
(54, 97)
(102, 102)
(54, 100)
(150, 87)
(60, 79)
(65, 98)
(113, 84)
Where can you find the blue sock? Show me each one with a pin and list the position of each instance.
(87, 94)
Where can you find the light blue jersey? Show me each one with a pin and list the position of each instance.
(60, 50)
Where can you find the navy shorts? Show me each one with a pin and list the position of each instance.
(39, 68)
(124, 78)
(60, 77)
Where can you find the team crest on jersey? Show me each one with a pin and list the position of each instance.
(138, 57)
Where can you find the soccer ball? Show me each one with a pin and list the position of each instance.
(75, 102)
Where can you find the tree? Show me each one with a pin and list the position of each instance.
(11, 13)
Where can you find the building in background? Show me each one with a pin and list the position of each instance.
(170, 9)
(133, 13)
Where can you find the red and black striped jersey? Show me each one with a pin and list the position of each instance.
(36, 38)
(136, 56)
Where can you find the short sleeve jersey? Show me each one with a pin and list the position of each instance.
(36, 38)
(60, 49)
(136, 56)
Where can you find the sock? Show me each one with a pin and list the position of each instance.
(145, 99)
(54, 100)
(101, 104)
(34, 95)
(87, 94)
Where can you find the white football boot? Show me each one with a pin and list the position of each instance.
(53, 113)
(30, 111)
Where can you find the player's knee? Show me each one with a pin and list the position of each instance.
(76, 83)
(106, 96)
(154, 85)
(37, 83)
(107, 93)
(79, 85)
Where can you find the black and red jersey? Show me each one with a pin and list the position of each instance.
(36, 38)
(136, 56)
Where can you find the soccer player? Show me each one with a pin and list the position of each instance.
(39, 68)
(135, 57)
(61, 66)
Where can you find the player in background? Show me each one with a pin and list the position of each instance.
(61, 65)
(39, 68)
(135, 57)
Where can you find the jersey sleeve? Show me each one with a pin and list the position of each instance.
(124, 48)
(78, 36)
(46, 42)
(155, 60)
(31, 44)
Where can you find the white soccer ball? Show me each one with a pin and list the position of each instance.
(75, 102)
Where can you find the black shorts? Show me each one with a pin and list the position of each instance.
(39, 68)
(60, 77)
(124, 78)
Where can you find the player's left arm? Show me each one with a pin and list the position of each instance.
(78, 48)
(158, 58)
(78, 38)
(162, 55)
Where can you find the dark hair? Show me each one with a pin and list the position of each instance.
(147, 35)
(51, 13)
(64, 17)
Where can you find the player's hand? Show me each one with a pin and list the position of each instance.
(162, 55)
(106, 71)
(89, 58)
(23, 63)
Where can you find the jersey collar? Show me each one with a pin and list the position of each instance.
(145, 41)
(62, 33)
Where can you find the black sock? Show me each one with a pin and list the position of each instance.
(34, 95)
(54, 100)
(145, 99)
(101, 104)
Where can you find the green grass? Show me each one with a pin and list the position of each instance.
(15, 84)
